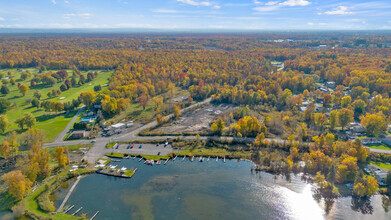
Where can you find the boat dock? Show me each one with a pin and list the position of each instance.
(184, 157)
(116, 173)
(69, 209)
(175, 158)
(217, 159)
(94, 215)
(166, 161)
(77, 211)
(224, 159)
(208, 159)
(68, 195)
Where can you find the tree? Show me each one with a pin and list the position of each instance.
(23, 89)
(3, 123)
(218, 126)
(88, 98)
(37, 94)
(346, 101)
(35, 102)
(143, 101)
(374, 123)
(259, 139)
(359, 107)
(4, 89)
(346, 171)
(29, 120)
(159, 119)
(365, 186)
(158, 102)
(345, 116)
(177, 111)
(320, 180)
(20, 122)
(5, 149)
(333, 119)
(4, 105)
(18, 184)
(61, 157)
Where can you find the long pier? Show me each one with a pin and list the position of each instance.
(68, 194)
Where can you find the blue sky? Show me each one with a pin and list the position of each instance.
(197, 14)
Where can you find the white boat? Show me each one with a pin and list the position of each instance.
(217, 159)
(152, 162)
(123, 168)
(158, 162)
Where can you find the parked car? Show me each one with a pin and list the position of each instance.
(140, 146)
(93, 141)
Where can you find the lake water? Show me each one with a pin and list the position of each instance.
(208, 190)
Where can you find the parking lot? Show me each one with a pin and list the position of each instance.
(150, 149)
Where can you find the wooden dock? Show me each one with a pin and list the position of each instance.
(68, 195)
(217, 158)
(175, 158)
(166, 161)
(69, 209)
(208, 159)
(184, 157)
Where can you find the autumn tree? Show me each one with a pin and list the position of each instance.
(177, 111)
(18, 184)
(346, 171)
(374, 123)
(346, 101)
(60, 156)
(345, 116)
(5, 149)
(333, 119)
(143, 101)
(24, 89)
(365, 186)
(218, 126)
(259, 139)
(88, 98)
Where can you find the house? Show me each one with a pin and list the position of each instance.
(380, 175)
(97, 106)
(386, 139)
(90, 114)
(78, 134)
(356, 127)
(370, 141)
(331, 84)
(118, 126)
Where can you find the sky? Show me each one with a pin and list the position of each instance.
(197, 14)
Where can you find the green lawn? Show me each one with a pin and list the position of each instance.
(381, 165)
(45, 120)
(380, 147)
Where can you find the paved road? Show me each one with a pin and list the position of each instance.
(61, 136)
(379, 151)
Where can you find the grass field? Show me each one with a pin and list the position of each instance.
(51, 123)
(380, 147)
(381, 165)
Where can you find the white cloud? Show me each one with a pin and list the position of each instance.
(293, 3)
(2, 19)
(271, 3)
(82, 15)
(195, 3)
(200, 3)
(310, 23)
(274, 5)
(266, 8)
(54, 2)
(340, 10)
(164, 11)
(66, 2)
